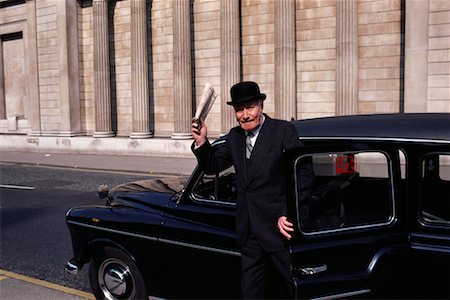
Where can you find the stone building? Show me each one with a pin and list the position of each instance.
(124, 76)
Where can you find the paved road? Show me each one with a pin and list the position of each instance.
(35, 241)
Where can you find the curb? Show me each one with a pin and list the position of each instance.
(53, 286)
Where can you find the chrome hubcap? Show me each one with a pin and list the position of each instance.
(116, 280)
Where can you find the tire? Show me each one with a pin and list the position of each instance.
(114, 275)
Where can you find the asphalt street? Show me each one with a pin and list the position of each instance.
(35, 242)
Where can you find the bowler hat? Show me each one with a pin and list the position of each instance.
(244, 92)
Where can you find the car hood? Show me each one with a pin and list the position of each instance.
(164, 185)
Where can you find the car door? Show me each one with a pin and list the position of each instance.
(430, 233)
(347, 205)
(199, 237)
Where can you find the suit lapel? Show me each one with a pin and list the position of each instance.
(240, 155)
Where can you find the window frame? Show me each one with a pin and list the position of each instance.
(420, 201)
(196, 199)
(393, 212)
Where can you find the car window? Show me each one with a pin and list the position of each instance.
(435, 188)
(341, 191)
(216, 189)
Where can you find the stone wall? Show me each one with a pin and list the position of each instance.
(438, 56)
(206, 28)
(162, 66)
(48, 62)
(316, 58)
(379, 36)
(258, 47)
(14, 111)
(427, 56)
(348, 59)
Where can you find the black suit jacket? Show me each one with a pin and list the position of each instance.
(261, 182)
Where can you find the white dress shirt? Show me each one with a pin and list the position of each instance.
(256, 132)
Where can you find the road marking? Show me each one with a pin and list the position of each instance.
(46, 284)
(98, 170)
(17, 187)
(3, 278)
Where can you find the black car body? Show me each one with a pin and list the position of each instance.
(373, 221)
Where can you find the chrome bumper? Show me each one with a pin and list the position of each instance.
(71, 267)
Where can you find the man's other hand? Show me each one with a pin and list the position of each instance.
(285, 227)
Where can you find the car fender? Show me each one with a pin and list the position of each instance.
(99, 243)
(94, 226)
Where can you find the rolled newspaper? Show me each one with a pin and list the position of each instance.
(205, 104)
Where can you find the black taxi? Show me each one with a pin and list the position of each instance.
(371, 221)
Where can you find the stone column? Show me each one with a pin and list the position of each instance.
(182, 74)
(139, 71)
(102, 84)
(416, 56)
(285, 62)
(32, 69)
(69, 87)
(2, 85)
(347, 57)
(230, 64)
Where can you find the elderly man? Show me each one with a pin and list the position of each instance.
(255, 149)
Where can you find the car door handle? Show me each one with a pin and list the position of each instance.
(313, 270)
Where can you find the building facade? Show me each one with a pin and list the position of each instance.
(124, 76)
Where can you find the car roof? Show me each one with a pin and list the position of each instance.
(401, 126)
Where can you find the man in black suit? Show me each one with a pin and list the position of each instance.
(255, 149)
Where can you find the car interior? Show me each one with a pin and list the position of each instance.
(435, 188)
(217, 189)
(328, 198)
(344, 198)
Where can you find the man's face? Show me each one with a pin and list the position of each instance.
(249, 114)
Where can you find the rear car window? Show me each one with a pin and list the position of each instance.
(435, 189)
(343, 190)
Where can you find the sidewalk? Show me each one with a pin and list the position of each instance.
(18, 287)
(120, 163)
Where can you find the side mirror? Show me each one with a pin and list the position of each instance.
(103, 191)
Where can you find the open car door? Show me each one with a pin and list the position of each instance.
(349, 240)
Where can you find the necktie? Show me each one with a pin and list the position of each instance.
(248, 145)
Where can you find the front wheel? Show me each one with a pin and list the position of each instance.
(114, 275)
